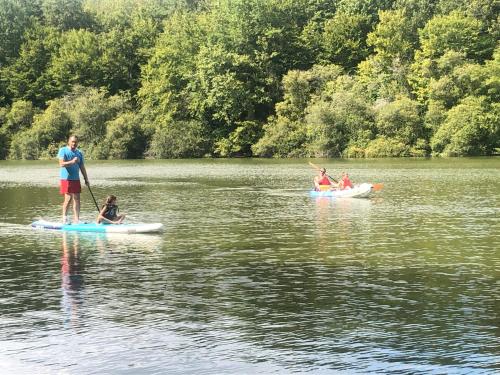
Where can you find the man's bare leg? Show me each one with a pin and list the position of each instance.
(76, 208)
(67, 201)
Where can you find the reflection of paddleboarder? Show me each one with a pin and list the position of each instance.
(71, 277)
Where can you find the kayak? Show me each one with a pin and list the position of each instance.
(99, 228)
(358, 191)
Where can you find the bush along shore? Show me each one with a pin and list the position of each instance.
(268, 78)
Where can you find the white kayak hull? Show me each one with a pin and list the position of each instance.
(358, 191)
(99, 228)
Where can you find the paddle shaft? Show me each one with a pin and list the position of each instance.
(96, 205)
(331, 178)
(88, 185)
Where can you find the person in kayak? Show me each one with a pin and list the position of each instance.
(345, 182)
(109, 212)
(322, 179)
(71, 162)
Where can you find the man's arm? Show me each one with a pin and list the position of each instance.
(84, 173)
(63, 163)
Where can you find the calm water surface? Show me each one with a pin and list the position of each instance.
(252, 276)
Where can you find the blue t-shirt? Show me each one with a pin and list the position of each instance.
(70, 172)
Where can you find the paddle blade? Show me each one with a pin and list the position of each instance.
(378, 187)
(314, 166)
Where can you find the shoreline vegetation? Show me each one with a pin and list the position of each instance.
(249, 78)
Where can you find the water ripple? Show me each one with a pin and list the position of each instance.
(250, 277)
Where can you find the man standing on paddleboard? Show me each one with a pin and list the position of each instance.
(71, 163)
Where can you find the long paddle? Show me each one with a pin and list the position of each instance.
(96, 205)
(95, 202)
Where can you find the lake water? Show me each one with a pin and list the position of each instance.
(252, 276)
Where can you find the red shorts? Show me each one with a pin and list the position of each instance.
(70, 187)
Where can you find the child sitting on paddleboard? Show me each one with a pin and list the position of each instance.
(109, 212)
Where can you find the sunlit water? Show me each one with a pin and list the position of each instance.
(252, 276)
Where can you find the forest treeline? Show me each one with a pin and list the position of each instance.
(271, 78)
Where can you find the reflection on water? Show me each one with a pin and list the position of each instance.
(254, 276)
(72, 280)
(73, 267)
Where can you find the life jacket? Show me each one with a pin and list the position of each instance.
(346, 183)
(324, 181)
(111, 212)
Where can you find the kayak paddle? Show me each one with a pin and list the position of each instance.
(318, 168)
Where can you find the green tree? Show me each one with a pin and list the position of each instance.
(344, 40)
(76, 61)
(90, 110)
(50, 129)
(124, 138)
(456, 32)
(285, 134)
(443, 87)
(16, 16)
(461, 78)
(26, 77)
(434, 117)
(219, 94)
(85, 112)
(14, 120)
(125, 48)
(169, 70)
(111, 14)
(334, 122)
(392, 37)
(418, 13)
(302, 86)
(240, 140)
(66, 14)
(491, 83)
(471, 128)
(269, 34)
(4, 136)
(20, 116)
(445, 36)
(282, 138)
(383, 146)
(400, 120)
(223, 67)
(364, 7)
(487, 11)
(179, 139)
(384, 74)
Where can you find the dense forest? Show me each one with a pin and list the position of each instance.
(270, 78)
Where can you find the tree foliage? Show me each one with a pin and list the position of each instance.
(333, 121)
(400, 120)
(272, 78)
(470, 128)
